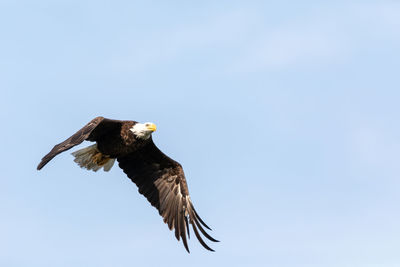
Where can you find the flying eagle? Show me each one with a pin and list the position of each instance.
(159, 178)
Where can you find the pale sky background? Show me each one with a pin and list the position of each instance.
(284, 115)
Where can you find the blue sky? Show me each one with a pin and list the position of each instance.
(283, 114)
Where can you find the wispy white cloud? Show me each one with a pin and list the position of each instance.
(160, 47)
(382, 13)
(288, 46)
(245, 40)
(325, 36)
(376, 147)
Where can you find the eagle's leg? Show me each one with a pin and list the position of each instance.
(92, 159)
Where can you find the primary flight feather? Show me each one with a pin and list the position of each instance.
(159, 178)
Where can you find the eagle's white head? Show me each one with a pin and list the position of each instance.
(143, 130)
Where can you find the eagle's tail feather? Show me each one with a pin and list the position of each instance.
(109, 165)
(92, 159)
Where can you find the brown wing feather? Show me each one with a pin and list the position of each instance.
(91, 131)
(162, 181)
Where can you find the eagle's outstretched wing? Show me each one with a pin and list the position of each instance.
(90, 131)
(162, 181)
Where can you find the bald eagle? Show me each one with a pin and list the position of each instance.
(159, 178)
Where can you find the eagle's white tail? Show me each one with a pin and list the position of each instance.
(92, 159)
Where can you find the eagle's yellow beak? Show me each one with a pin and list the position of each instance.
(151, 127)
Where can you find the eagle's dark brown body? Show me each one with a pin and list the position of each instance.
(117, 141)
(159, 178)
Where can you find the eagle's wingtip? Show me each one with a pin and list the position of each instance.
(39, 167)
